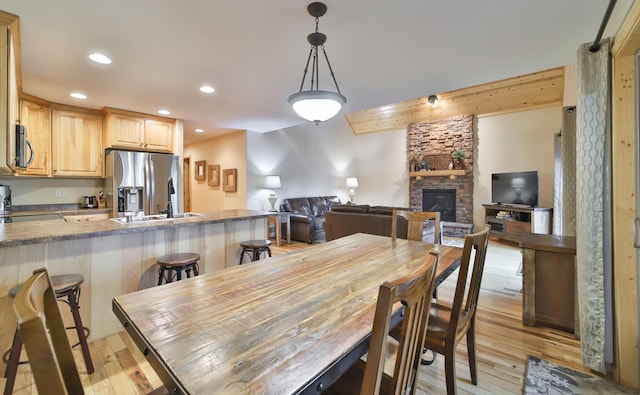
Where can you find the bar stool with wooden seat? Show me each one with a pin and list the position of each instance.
(254, 248)
(67, 290)
(172, 265)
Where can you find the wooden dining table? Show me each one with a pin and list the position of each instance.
(292, 323)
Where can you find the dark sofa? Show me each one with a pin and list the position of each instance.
(345, 220)
(308, 216)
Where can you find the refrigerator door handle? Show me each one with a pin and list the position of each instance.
(636, 228)
(149, 185)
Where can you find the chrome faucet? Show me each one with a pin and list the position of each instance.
(171, 191)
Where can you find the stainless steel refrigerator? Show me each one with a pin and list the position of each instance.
(139, 183)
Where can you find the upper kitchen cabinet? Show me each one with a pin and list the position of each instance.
(76, 138)
(35, 115)
(137, 131)
(10, 85)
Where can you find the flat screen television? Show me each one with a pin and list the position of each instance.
(518, 188)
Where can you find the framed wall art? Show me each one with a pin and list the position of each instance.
(200, 173)
(213, 175)
(230, 180)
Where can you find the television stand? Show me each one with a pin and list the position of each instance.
(506, 219)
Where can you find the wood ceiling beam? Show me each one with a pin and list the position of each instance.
(522, 93)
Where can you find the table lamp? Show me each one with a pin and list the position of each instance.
(272, 182)
(352, 184)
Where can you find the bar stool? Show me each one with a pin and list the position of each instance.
(172, 265)
(254, 248)
(67, 289)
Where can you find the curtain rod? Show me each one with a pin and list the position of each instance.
(595, 47)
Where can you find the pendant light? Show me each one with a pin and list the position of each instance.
(314, 104)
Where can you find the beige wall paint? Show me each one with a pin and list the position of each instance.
(228, 151)
(514, 142)
(31, 190)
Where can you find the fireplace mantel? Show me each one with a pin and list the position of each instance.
(437, 173)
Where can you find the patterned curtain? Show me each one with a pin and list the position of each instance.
(593, 205)
(564, 176)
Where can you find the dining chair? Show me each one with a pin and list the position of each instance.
(447, 325)
(371, 377)
(415, 224)
(44, 337)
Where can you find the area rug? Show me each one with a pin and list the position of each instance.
(544, 377)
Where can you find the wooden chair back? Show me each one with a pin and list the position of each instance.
(414, 292)
(465, 299)
(44, 337)
(448, 325)
(415, 223)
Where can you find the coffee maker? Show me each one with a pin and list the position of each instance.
(5, 203)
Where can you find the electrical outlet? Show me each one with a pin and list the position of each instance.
(59, 193)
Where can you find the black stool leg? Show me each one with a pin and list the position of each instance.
(12, 363)
(244, 250)
(196, 269)
(269, 251)
(160, 275)
(72, 301)
(179, 274)
(256, 254)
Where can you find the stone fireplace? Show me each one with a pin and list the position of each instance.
(438, 138)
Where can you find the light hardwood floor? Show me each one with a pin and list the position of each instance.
(503, 343)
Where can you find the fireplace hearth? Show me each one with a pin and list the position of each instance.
(442, 200)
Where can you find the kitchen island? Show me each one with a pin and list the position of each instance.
(116, 258)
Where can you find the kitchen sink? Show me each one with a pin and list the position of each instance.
(155, 217)
(186, 215)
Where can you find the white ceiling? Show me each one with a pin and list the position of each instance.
(254, 52)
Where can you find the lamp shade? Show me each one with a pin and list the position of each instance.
(316, 105)
(272, 182)
(352, 182)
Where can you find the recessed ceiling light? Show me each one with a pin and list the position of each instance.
(100, 58)
(164, 112)
(207, 89)
(199, 130)
(78, 95)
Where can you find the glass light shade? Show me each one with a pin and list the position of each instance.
(272, 182)
(317, 106)
(352, 182)
(518, 182)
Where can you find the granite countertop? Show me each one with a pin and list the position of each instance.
(22, 233)
(60, 209)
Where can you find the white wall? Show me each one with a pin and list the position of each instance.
(315, 160)
(514, 142)
(382, 169)
(310, 160)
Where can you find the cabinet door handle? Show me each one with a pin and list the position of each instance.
(636, 226)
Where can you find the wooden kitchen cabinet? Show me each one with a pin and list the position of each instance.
(76, 136)
(141, 132)
(9, 88)
(36, 116)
